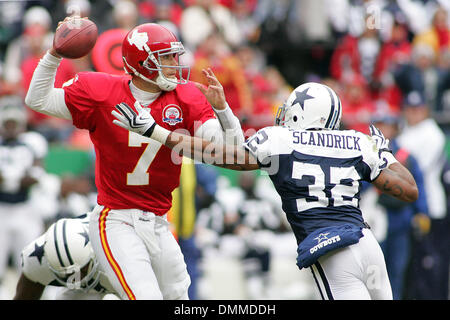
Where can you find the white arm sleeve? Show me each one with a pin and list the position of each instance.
(210, 130)
(42, 96)
(226, 124)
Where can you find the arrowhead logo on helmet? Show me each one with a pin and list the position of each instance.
(142, 49)
(139, 39)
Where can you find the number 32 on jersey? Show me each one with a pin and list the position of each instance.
(323, 194)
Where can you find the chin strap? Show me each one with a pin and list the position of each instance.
(161, 81)
(164, 84)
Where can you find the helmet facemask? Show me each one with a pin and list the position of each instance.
(75, 277)
(70, 256)
(281, 114)
(285, 117)
(154, 63)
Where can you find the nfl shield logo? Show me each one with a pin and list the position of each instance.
(172, 114)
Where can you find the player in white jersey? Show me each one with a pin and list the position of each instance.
(20, 152)
(318, 172)
(62, 257)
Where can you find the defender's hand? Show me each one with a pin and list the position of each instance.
(214, 91)
(384, 152)
(141, 122)
(381, 142)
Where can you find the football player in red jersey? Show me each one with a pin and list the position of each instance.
(135, 175)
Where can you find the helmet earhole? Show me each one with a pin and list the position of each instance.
(294, 118)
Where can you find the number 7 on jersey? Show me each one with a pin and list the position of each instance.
(140, 176)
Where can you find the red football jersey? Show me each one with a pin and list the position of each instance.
(132, 171)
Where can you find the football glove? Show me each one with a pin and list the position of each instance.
(384, 152)
(379, 139)
(141, 122)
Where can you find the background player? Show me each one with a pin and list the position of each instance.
(62, 257)
(135, 176)
(20, 172)
(318, 171)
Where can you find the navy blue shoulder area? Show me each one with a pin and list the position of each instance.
(317, 191)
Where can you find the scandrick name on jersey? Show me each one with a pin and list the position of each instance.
(323, 139)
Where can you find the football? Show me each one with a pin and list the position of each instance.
(74, 38)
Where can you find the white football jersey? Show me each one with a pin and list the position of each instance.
(317, 173)
(36, 141)
(15, 159)
(35, 266)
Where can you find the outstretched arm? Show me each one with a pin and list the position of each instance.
(395, 179)
(42, 96)
(398, 182)
(227, 122)
(221, 155)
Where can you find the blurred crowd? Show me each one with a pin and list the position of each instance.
(388, 60)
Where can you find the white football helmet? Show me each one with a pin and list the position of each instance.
(11, 108)
(310, 106)
(70, 255)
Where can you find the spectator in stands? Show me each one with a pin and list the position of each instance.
(443, 88)
(356, 56)
(11, 16)
(280, 86)
(438, 35)
(263, 93)
(36, 32)
(53, 129)
(422, 74)
(243, 12)
(168, 10)
(403, 217)
(350, 16)
(22, 57)
(395, 51)
(423, 139)
(214, 53)
(204, 17)
(268, 86)
(125, 14)
(263, 88)
(419, 129)
(419, 13)
(357, 104)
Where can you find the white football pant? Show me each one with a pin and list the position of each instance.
(139, 254)
(356, 272)
(19, 225)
